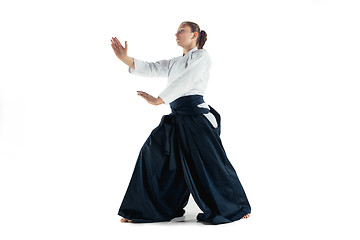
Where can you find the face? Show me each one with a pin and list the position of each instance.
(184, 36)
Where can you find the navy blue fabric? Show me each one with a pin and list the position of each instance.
(184, 154)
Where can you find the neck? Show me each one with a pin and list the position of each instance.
(187, 49)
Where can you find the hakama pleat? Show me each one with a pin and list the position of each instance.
(184, 155)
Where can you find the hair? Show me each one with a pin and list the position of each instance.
(202, 36)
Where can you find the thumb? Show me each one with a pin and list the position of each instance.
(125, 44)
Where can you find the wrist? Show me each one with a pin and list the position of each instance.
(128, 61)
(159, 100)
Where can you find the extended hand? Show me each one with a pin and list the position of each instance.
(119, 50)
(150, 99)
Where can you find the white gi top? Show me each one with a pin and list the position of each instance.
(187, 75)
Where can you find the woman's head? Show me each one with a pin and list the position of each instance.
(189, 35)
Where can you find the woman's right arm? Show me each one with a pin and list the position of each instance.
(121, 52)
(140, 67)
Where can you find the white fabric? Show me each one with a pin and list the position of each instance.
(187, 75)
(209, 115)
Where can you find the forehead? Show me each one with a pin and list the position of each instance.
(184, 26)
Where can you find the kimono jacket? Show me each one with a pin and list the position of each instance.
(187, 75)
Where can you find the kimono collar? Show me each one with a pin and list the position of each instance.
(191, 50)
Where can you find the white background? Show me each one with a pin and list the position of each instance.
(285, 79)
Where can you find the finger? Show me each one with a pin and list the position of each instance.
(115, 49)
(115, 45)
(114, 41)
(125, 44)
(118, 42)
(145, 97)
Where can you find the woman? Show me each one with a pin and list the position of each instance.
(184, 154)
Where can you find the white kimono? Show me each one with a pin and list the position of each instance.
(187, 75)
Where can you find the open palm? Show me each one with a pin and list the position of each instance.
(119, 50)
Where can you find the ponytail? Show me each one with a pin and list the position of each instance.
(201, 39)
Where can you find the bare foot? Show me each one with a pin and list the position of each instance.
(246, 216)
(126, 220)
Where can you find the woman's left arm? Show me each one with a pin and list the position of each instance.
(150, 99)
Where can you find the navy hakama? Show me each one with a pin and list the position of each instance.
(184, 154)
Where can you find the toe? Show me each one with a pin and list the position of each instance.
(126, 220)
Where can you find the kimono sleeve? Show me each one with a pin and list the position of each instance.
(150, 69)
(195, 69)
